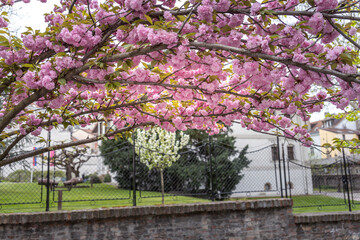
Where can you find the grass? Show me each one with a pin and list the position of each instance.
(101, 195)
(105, 196)
(317, 203)
(324, 189)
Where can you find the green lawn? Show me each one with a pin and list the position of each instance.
(105, 196)
(317, 203)
(98, 196)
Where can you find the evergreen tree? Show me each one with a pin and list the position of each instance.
(191, 174)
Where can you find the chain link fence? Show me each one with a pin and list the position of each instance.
(203, 172)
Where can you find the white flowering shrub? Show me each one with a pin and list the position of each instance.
(159, 148)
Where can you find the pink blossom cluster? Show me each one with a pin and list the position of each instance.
(35, 44)
(80, 35)
(45, 78)
(144, 34)
(66, 63)
(326, 4)
(3, 23)
(11, 57)
(139, 5)
(106, 17)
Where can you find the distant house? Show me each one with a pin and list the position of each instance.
(262, 177)
(59, 136)
(85, 133)
(324, 131)
(328, 165)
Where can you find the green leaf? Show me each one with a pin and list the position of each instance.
(5, 44)
(62, 81)
(124, 19)
(149, 19)
(347, 58)
(226, 28)
(308, 55)
(311, 2)
(186, 5)
(27, 65)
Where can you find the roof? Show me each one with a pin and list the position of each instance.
(352, 159)
(315, 126)
(341, 131)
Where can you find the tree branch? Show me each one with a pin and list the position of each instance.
(343, 34)
(21, 106)
(66, 145)
(346, 77)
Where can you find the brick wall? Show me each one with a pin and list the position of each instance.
(260, 219)
(342, 225)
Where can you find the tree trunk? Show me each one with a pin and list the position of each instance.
(162, 187)
(68, 171)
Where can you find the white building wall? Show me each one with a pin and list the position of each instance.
(261, 170)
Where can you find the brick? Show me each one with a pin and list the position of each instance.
(257, 219)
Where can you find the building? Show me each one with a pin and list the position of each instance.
(266, 176)
(329, 164)
(325, 131)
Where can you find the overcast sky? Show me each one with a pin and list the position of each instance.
(30, 15)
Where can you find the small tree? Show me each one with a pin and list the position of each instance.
(158, 148)
(72, 160)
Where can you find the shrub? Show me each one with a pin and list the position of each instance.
(58, 173)
(107, 178)
(20, 175)
(94, 178)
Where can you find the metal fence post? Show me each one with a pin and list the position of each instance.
(346, 181)
(278, 150)
(284, 168)
(48, 175)
(212, 197)
(134, 171)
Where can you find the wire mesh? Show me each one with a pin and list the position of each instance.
(207, 170)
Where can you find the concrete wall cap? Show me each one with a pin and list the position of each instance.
(126, 212)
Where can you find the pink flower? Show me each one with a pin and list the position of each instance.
(222, 5)
(3, 23)
(299, 58)
(22, 131)
(325, 4)
(177, 120)
(255, 8)
(316, 22)
(334, 53)
(205, 13)
(352, 31)
(37, 131)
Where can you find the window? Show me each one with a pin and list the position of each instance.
(312, 151)
(275, 153)
(290, 151)
(328, 123)
(267, 186)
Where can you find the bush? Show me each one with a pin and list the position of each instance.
(94, 178)
(58, 173)
(19, 176)
(107, 178)
(22, 175)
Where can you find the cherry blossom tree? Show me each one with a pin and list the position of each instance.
(177, 64)
(158, 148)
